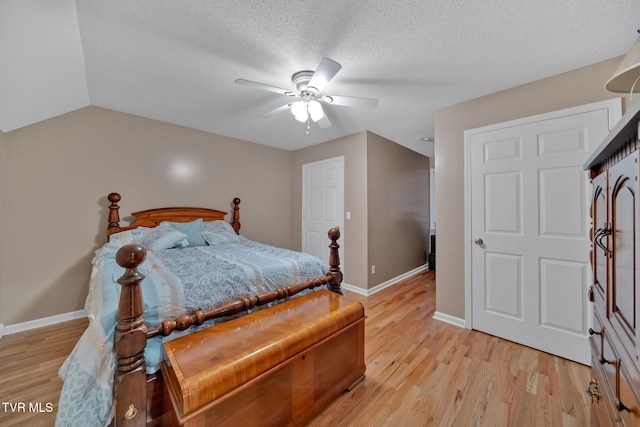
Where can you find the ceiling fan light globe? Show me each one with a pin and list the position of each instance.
(315, 110)
(299, 111)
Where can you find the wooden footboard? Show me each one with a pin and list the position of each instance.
(132, 403)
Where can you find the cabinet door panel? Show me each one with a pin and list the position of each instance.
(623, 194)
(600, 220)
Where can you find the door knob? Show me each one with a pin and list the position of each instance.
(478, 241)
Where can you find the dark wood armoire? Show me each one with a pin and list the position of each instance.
(615, 214)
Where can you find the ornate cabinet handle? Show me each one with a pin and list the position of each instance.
(592, 390)
(619, 405)
(600, 333)
(600, 234)
(131, 412)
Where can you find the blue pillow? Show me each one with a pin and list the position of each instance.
(193, 230)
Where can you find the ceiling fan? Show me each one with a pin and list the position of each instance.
(308, 88)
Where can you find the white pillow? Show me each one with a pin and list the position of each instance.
(163, 236)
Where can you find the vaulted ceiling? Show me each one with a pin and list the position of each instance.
(176, 60)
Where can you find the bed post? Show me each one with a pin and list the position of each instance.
(236, 215)
(130, 384)
(334, 261)
(114, 215)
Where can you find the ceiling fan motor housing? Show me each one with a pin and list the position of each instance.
(301, 81)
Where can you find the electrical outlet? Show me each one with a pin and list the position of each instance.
(373, 269)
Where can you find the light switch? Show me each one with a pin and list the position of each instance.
(348, 215)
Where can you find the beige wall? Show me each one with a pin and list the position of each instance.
(58, 173)
(398, 209)
(574, 88)
(354, 233)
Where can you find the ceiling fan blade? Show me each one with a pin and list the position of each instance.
(276, 110)
(263, 86)
(352, 101)
(324, 73)
(324, 122)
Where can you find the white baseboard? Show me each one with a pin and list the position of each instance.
(455, 321)
(381, 286)
(1, 330)
(39, 323)
(347, 287)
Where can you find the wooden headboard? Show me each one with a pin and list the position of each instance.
(153, 217)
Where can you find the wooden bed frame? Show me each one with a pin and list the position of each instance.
(138, 396)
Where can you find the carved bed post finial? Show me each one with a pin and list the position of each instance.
(236, 215)
(334, 260)
(114, 215)
(130, 385)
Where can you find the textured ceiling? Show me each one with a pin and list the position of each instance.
(176, 61)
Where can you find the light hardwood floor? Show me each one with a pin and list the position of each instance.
(420, 372)
(423, 372)
(29, 363)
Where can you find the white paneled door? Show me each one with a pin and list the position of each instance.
(528, 227)
(322, 205)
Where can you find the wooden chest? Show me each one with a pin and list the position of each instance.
(277, 366)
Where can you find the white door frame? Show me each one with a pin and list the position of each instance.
(614, 107)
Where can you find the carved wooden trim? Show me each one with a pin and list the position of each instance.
(130, 390)
(153, 217)
(334, 260)
(114, 215)
(629, 147)
(235, 222)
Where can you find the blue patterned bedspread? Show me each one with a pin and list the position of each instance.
(176, 281)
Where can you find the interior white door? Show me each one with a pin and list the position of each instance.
(529, 236)
(322, 205)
